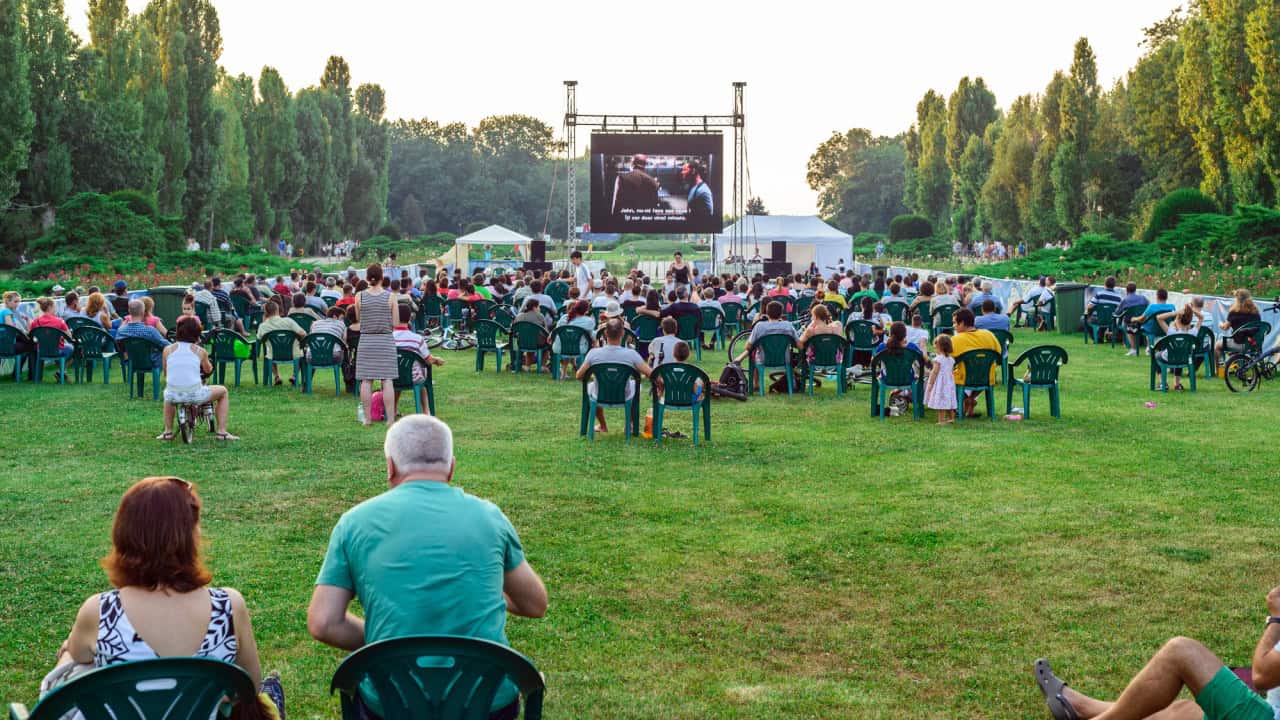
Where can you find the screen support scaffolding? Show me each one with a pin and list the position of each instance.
(667, 124)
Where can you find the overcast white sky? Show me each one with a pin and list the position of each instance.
(811, 67)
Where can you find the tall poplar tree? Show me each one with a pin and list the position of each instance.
(51, 50)
(971, 109)
(278, 168)
(15, 101)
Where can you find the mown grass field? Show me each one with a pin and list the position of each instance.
(810, 562)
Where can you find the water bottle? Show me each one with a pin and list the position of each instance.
(360, 412)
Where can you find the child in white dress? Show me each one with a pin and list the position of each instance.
(940, 393)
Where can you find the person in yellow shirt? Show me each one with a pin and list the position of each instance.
(969, 338)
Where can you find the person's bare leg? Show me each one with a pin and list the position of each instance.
(388, 400)
(169, 412)
(601, 425)
(1088, 708)
(366, 400)
(1182, 662)
(222, 406)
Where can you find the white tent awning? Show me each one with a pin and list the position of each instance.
(807, 238)
(493, 235)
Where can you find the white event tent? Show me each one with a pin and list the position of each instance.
(808, 239)
(492, 235)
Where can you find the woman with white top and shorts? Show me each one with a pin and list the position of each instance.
(184, 364)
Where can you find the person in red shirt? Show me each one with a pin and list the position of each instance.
(281, 287)
(348, 296)
(49, 318)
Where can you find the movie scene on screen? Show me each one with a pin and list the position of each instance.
(656, 183)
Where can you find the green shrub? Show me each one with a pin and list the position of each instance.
(94, 225)
(1170, 210)
(910, 227)
(139, 202)
(390, 230)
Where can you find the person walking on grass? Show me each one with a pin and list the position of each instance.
(376, 360)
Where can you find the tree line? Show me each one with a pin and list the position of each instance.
(1200, 109)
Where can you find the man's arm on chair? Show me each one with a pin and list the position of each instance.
(524, 592)
(329, 621)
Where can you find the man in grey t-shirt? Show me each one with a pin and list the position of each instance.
(612, 352)
(773, 324)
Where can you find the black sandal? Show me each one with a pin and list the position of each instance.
(1051, 687)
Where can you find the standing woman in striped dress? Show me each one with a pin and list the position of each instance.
(376, 359)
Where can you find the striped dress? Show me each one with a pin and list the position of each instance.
(376, 359)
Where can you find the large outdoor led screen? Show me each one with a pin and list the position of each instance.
(657, 183)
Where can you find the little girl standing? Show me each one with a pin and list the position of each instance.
(940, 394)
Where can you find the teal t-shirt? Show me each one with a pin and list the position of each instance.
(1152, 325)
(426, 558)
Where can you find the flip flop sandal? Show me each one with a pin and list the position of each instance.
(165, 436)
(1051, 687)
(225, 436)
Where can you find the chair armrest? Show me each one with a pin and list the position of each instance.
(17, 711)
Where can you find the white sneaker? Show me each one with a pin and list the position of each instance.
(1132, 353)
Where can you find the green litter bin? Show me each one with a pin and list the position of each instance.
(168, 300)
(1069, 303)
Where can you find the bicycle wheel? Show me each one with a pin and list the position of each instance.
(1240, 373)
(434, 337)
(738, 343)
(186, 426)
(211, 418)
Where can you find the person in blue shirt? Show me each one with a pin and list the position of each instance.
(991, 319)
(138, 328)
(701, 203)
(980, 299)
(1146, 323)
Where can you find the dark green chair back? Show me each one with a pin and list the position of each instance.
(646, 328)
(92, 342)
(454, 309)
(775, 350)
(79, 322)
(629, 312)
(900, 367)
(629, 339)
(1252, 335)
(482, 309)
(503, 316)
(687, 328)
(47, 339)
(733, 313)
(281, 344)
(712, 319)
(487, 332)
(222, 344)
(896, 310)
(861, 335)
(802, 305)
(304, 321)
(321, 346)
(1043, 362)
(679, 381)
(828, 350)
(835, 309)
(1006, 339)
(139, 352)
(528, 337)
(160, 689)
(1179, 349)
(405, 360)
(941, 318)
(9, 340)
(432, 307)
(611, 382)
(571, 339)
(977, 367)
(558, 291)
(202, 312)
(329, 300)
(440, 677)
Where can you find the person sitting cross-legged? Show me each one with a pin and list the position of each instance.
(1153, 693)
(612, 352)
(425, 558)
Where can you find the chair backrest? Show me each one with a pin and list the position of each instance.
(827, 348)
(1122, 317)
(712, 318)
(802, 305)
(483, 308)
(571, 338)
(528, 336)
(454, 308)
(503, 316)
(942, 317)
(304, 321)
(1006, 339)
(1253, 334)
(487, 332)
(1102, 314)
(611, 381)
(222, 344)
(558, 291)
(733, 312)
(836, 310)
(1043, 362)
(687, 327)
(861, 334)
(629, 312)
(432, 306)
(1179, 348)
(329, 300)
(679, 381)
(645, 328)
(9, 340)
(629, 338)
(775, 350)
(281, 344)
(1206, 339)
(139, 352)
(439, 677)
(92, 341)
(162, 689)
(79, 322)
(202, 312)
(321, 346)
(405, 361)
(900, 366)
(47, 339)
(977, 366)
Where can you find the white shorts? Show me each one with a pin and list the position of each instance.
(187, 396)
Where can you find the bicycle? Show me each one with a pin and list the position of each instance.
(191, 414)
(1245, 369)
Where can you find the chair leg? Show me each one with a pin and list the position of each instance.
(626, 423)
(337, 381)
(790, 380)
(991, 403)
(155, 384)
(417, 398)
(658, 410)
(431, 399)
(883, 400)
(760, 370)
(1055, 402)
(1026, 401)
(959, 403)
(239, 364)
(1008, 399)
(1191, 370)
(696, 413)
(591, 420)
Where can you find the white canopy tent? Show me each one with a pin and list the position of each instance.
(808, 239)
(492, 235)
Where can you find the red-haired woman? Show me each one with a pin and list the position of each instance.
(162, 604)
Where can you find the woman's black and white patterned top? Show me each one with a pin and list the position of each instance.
(118, 642)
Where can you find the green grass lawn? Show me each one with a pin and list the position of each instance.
(810, 562)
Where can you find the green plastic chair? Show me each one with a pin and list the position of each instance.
(79, 322)
(94, 347)
(202, 312)
(837, 311)
(775, 352)
(977, 377)
(558, 291)
(1046, 312)
(138, 364)
(320, 347)
(629, 312)
(1206, 354)
(304, 321)
(487, 333)
(1006, 339)
(482, 309)
(504, 317)
(861, 335)
(646, 328)
(629, 339)
(280, 343)
(9, 336)
(527, 337)
(329, 300)
(689, 329)
(734, 313)
(897, 369)
(679, 381)
(830, 353)
(405, 360)
(455, 318)
(224, 347)
(250, 315)
(801, 307)
(1043, 362)
(1120, 326)
(46, 340)
(712, 321)
(436, 677)
(185, 688)
(611, 392)
(1252, 335)
(571, 338)
(1180, 352)
(1100, 319)
(896, 310)
(431, 311)
(941, 321)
